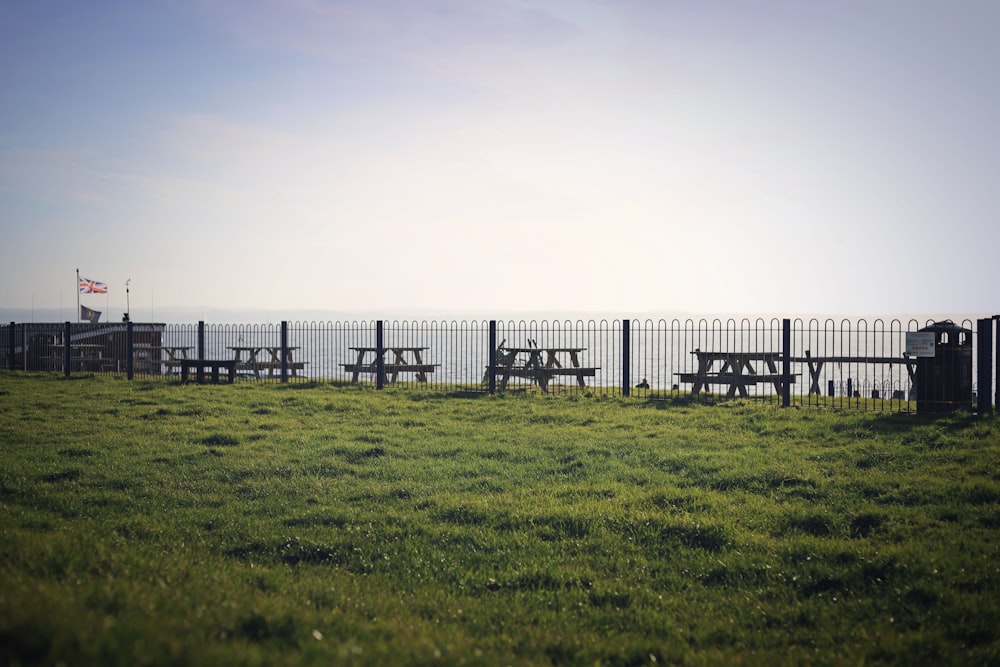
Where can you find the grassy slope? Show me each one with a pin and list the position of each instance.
(149, 523)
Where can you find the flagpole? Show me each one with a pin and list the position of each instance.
(78, 295)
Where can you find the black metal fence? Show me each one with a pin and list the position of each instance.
(857, 364)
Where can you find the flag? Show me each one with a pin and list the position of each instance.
(91, 316)
(92, 287)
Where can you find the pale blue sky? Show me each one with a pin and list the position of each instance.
(624, 156)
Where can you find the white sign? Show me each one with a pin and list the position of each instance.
(920, 343)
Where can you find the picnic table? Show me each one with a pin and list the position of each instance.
(815, 365)
(541, 364)
(150, 357)
(215, 367)
(255, 362)
(83, 357)
(406, 359)
(737, 371)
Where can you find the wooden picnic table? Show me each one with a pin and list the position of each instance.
(737, 371)
(528, 362)
(150, 357)
(391, 369)
(815, 365)
(173, 352)
(255, 363)
(87, 350)
(215, 366)
(83, 357)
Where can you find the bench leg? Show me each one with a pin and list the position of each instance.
(814, 378)
(543, 381)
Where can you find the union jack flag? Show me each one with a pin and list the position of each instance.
(92, 287)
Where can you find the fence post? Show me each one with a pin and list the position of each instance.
(129, 351)
(11, 349)
(491, 372)
(66, 351)
(626, 358)
(201, 351)
(379, 360)
(786, 362)
(284, 350)
(984, 367)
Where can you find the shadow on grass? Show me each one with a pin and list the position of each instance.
(662, 401)
(899, 423)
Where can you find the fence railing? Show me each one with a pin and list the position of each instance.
(858, 364)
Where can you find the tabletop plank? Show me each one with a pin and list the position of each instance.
(544, 349)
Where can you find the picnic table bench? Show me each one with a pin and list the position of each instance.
(511, 363)
(390, 369)
(154, 358)
(815, 365)
(84, 357)
(737, 371)
(199, 366)
(254, 363)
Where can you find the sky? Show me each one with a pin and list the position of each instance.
(441, 156)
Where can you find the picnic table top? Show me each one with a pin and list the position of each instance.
(864, 359)
(88, 350)
(206, 362)
(171, 350)
(408, 348)
(544, 349)
(756, 356)
(761, 356)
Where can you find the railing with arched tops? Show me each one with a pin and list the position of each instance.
(842, 363)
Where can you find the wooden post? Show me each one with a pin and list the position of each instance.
(491, 372)
(67, 332)
(626, 358)
(201, 351)
(129, 351)
(379, 356)
(786, 362)
(11, 349)
(996, 370)
(984, 367)
(284, 351)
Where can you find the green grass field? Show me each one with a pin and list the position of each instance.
(149, 522)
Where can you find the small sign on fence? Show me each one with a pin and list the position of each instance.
(920, 343)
